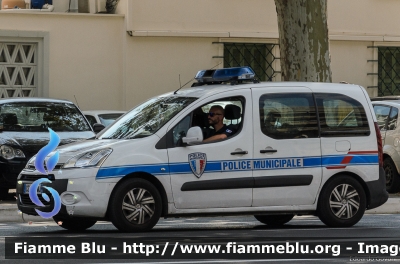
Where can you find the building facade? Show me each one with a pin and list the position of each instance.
(115, 61)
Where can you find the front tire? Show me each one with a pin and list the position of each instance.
(274, 220)
(74, 224)
(135, 206)
(342, 202)
(392, 176)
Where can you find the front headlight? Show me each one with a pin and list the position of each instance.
(9, 153)
(89, 159)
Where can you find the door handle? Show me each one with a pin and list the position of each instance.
(239, 152)
(268, 150)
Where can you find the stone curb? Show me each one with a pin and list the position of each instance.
(9, 211)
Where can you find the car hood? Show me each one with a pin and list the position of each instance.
(77, 148)
(31, 142)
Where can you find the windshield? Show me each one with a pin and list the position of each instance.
(147, 118)
(38, 116)
(107, 119)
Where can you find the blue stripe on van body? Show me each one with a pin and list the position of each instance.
(256, 164)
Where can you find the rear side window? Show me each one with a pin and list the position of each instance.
(341, 116)
(288, 116)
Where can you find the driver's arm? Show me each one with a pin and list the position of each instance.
(216, 137)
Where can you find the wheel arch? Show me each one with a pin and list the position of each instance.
(350, 174)
(150, 178)
(390, 152)
(387, 156)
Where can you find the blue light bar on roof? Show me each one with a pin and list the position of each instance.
(236, 74)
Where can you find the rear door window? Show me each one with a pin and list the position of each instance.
(286, 116)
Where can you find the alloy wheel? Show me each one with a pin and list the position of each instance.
(389, 175)
(344, 201)
(138, 206)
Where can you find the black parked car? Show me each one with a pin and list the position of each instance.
(24, 124)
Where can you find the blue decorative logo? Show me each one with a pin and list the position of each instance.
(50, 164)
(46, 150)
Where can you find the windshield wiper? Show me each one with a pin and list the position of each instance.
(138, 136)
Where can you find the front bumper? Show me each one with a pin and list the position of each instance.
(377, 191)
(91, 196)
(24, 203)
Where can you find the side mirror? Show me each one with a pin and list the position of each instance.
(193, 136)
(98, 127)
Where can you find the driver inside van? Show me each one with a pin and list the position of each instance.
(216, 118)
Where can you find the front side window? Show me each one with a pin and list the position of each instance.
(147, 118)
(341, 115)
(38, 116)
(233, 109)
(288, 116)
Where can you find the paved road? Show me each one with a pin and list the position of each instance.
(384, 228)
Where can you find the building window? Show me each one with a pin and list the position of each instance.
(18, 69)
(388, 71)
(259, 57)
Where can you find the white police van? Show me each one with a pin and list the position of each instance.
(297, 148)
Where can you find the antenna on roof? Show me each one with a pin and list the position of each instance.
(76, 101)
(193, 78)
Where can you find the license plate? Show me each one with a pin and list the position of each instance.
(28, 185)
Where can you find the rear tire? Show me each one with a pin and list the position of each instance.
(135, 206)
(74, 224)
(342, 202)
(392, 176)
(274, 220)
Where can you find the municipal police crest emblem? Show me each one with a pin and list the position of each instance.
(197, 162)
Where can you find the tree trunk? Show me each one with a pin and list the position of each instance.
(111, 5)
(304, 40)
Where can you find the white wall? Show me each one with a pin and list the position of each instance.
(154, 63)
(349, 62)
(85, 55)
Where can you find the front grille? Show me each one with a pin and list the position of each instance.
(28, 177)
(25, 200)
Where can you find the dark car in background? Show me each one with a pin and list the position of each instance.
(24, 124)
